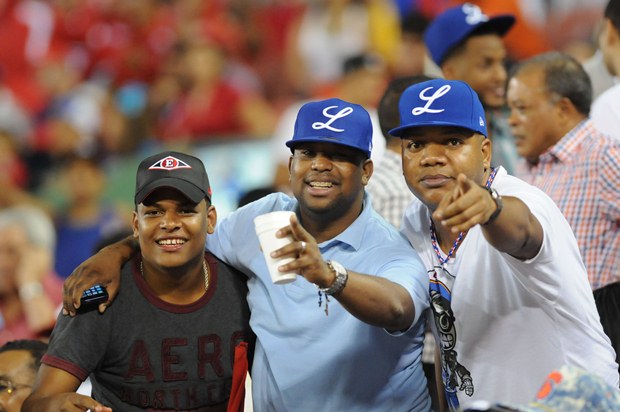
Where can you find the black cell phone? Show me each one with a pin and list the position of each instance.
(92, 298)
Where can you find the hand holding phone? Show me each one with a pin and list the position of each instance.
(92, 298)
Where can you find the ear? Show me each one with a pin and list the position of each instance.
(211, 219)
(565, 110)
(448, 68)
(290, 165)
(367, 170)
(609, 33)
(486, 147)
(134, 223)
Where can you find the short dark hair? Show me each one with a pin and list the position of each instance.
(612, 12)
(36, 348)
(387, 111)
(414, 23)
(564, 76)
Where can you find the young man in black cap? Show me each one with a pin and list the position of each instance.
(171, 339)
(357, 269)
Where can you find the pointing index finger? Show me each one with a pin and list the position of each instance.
(463, 183)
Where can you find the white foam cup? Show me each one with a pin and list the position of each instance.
(266, 227)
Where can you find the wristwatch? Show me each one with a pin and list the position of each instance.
(341, 278)
(498, 203)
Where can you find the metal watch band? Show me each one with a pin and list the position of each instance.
(341, 278)
(498, 202)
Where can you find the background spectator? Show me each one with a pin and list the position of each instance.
(468, 45)
(81, 217)
(30, 291)
(606, 108)
(19, 363)
(565, 156)
(575, 164)
(329, 32)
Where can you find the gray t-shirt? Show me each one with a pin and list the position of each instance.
(147, 354)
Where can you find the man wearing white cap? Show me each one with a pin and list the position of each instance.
(509, 291)
(348, 335)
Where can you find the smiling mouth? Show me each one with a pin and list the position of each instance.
(171, 242)
(321, 185)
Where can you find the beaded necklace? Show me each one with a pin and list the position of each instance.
(459, 238)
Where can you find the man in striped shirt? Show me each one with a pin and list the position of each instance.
(576, 165)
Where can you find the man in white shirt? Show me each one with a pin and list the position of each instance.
(509, 290)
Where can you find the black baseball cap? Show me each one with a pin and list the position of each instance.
(177, 170)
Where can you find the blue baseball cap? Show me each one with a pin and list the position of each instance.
(333, 121)
(440, 102)
(456, 24)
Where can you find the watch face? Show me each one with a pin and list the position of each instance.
(338, 268)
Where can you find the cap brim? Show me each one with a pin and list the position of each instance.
(189, 190)
(321, 139)
(400, 131)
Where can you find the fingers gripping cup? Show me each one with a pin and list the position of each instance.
(266, 227)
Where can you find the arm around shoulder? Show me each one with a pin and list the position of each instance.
(102, 268)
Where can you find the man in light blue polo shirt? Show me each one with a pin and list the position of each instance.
(322, 340)
(304, 359)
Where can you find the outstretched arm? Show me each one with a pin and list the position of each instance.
(515, 230)
(374, 300)
(103, 268)
(54, 390)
